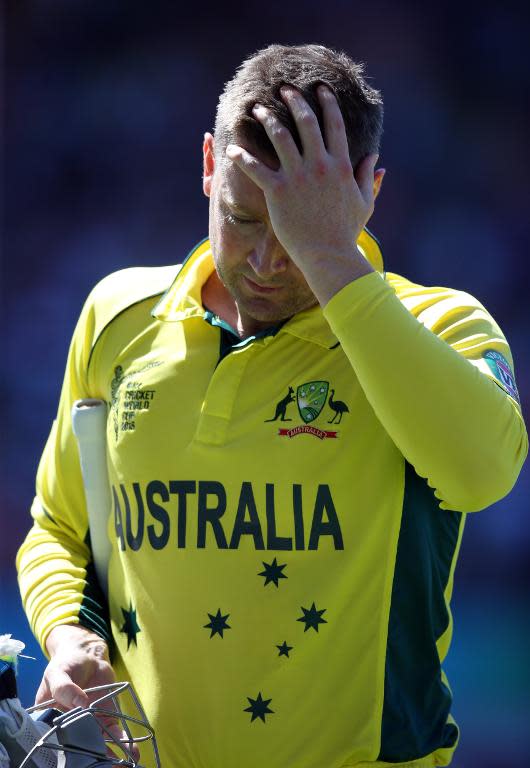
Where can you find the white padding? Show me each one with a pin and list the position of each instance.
(89, 422)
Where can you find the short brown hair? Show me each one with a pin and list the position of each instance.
(260, 77)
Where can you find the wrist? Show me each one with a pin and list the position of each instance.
(75, 635)
(327, 275)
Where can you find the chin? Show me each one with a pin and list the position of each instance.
(260, 313)
(264, 316)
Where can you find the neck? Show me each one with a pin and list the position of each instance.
(220, 301)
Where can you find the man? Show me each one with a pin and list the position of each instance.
(294, 439)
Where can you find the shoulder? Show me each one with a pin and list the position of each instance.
(462, 321)
(118, 304)
(439, 306)
(122, 290)
(417, 297)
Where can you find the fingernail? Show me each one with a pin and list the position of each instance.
(231, 150)
(79, 701)
(286, 91)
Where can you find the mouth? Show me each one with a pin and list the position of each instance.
(262, 289)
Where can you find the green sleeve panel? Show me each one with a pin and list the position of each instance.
(416, 717)
(419, 356)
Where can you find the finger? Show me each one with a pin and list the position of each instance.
(116, 737)
(280, 136)
(130, 746)
(364, 176)
(112, 722)
(258, 172)
(65, 692)
(306, 122)
(43, 692)
(334, 128)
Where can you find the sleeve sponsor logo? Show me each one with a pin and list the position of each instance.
(500, 368)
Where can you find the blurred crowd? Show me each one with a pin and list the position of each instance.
(106, 104)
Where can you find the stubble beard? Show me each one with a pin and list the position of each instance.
(266, 310)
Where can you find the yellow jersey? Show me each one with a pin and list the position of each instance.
(287, 513)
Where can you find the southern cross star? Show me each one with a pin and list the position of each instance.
(312, 618)
(284, 649)
(259, 707)
(217, 624)
(273, 572)
(130, 625)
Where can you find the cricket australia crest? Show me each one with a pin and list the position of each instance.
(311, 398)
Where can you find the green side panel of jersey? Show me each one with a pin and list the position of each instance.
(94, 612)
(416, 702)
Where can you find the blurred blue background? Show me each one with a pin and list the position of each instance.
(105, 108)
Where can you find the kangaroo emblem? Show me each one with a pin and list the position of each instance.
(281, 407)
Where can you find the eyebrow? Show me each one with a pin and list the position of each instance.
(237, 207)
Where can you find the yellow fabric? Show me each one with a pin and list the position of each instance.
(286, 528)
(464, 445)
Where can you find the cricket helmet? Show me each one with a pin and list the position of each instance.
(80, 738)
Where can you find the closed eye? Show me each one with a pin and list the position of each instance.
(232, 219)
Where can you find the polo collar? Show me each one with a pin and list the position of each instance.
(183, 300)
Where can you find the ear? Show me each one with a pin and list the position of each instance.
(208, 163)
(378, 180)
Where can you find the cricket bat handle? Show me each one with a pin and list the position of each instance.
(89, 422)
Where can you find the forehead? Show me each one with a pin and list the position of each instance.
(236, 188)
(235, 185)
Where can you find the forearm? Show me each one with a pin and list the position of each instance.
(450, 421)
(57, 583)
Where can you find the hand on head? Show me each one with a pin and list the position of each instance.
(317, 204)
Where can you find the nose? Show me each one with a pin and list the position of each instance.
(268, 258)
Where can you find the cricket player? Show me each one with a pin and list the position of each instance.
(294, 439)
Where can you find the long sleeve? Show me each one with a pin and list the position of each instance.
(423, 357)
(56, 575)
(57, 578)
